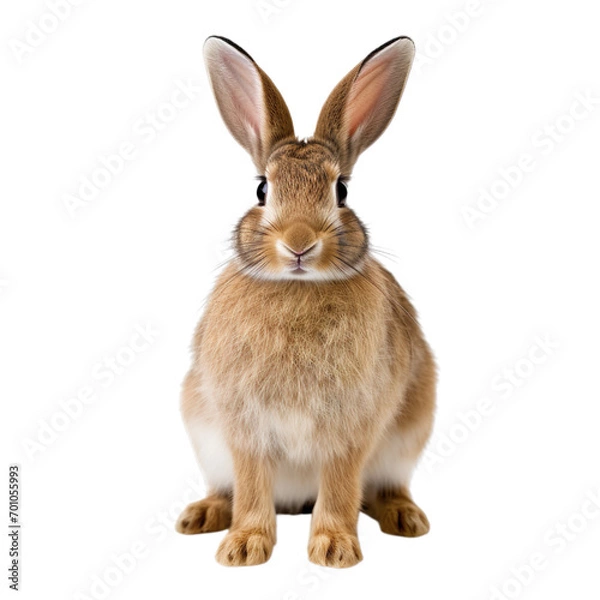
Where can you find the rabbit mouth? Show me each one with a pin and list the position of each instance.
(297, 259)
(298, 267)
(298, 270)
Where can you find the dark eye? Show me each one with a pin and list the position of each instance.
(261, 192)
(342, 192)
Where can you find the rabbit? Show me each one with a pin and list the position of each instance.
(312, 388)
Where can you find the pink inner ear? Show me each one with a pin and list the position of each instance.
(366, 93)
(239, 92)
(245, 88)
(374, 93)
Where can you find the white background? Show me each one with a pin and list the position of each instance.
(145, 250)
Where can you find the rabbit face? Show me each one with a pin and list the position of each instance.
(302, 229)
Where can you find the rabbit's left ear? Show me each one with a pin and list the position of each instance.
(250, 104)
(364, 102)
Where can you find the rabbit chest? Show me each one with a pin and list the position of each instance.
(287, 365)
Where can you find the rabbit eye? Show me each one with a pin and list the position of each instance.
(342, 192)
(261, 192)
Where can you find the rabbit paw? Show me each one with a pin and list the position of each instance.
(402, 518)
(334, 549)
(210, 514)
(244, 548)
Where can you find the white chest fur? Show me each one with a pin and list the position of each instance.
(290, 435)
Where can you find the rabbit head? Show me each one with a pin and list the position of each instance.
(301, 228)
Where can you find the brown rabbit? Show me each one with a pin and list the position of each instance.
(312, 387)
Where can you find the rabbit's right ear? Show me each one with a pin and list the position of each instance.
(250, 104)
(364, 102)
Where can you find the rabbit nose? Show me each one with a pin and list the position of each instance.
(299, 239)
(299, 254)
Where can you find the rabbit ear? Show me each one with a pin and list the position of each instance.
(250, 104)
(364, 102)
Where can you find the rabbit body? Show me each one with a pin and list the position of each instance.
(301, 372)
(311, 387)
